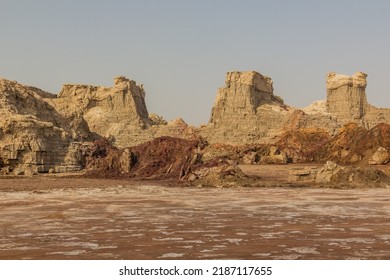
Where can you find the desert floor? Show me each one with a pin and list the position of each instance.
(51, 217)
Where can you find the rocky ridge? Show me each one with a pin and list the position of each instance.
(43, 132)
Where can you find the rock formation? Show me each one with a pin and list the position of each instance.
(347, 101)
(118, 113)
(32, 133)
(111, 112)
(334, 175)
(43, 131)
(246, 110)
(40, 131)
(346, 96)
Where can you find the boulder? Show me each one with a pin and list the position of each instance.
(275, 156)
(326, 173)
(250, 158)
(381, 156)
(216, 173)
(351, 176)
(157, 120)
(25, 170)
(302, 174)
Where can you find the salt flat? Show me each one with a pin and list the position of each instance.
(76, 218)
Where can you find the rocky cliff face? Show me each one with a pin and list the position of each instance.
(111, 112)
(32, 132)
(103, 106)
(347, 101)
(246, 110)
(118, 113)
(346, 96)
(40, 131)
(43, 131)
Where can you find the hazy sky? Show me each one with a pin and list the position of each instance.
(180, 50)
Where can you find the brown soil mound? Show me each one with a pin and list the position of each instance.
(246, 154)
(103, 160)
(363, 177)
(304, 145)
(165, 157)
(175, 158)
(352, 144)
(161, 158)
(355, 144)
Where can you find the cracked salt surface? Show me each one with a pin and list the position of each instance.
(353, 240)
(150, 221)
(69, 253)
(261, 254)
(384, 236)
(361, 229)
(192, 241)
(290, 257)
(304, 250)
(80, 244)
(234, 240)
(271, 235)
(168, 239)
(171, 255)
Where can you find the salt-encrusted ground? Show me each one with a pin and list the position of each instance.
(75, 218)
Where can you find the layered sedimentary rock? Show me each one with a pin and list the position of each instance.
(108, 111)
(346, 96)
(246, 110)
(347, 100)
(41, 131)
(31, 131)
(118, 113)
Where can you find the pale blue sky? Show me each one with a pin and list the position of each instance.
(181, 50)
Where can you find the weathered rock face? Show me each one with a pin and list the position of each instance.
(48, 132)
(118, 113)
(110, 112)
(25, 140)
(346, 96)
(40, 131)
(246, 110)
(32, 133)
(347, 101)
(43, 130)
